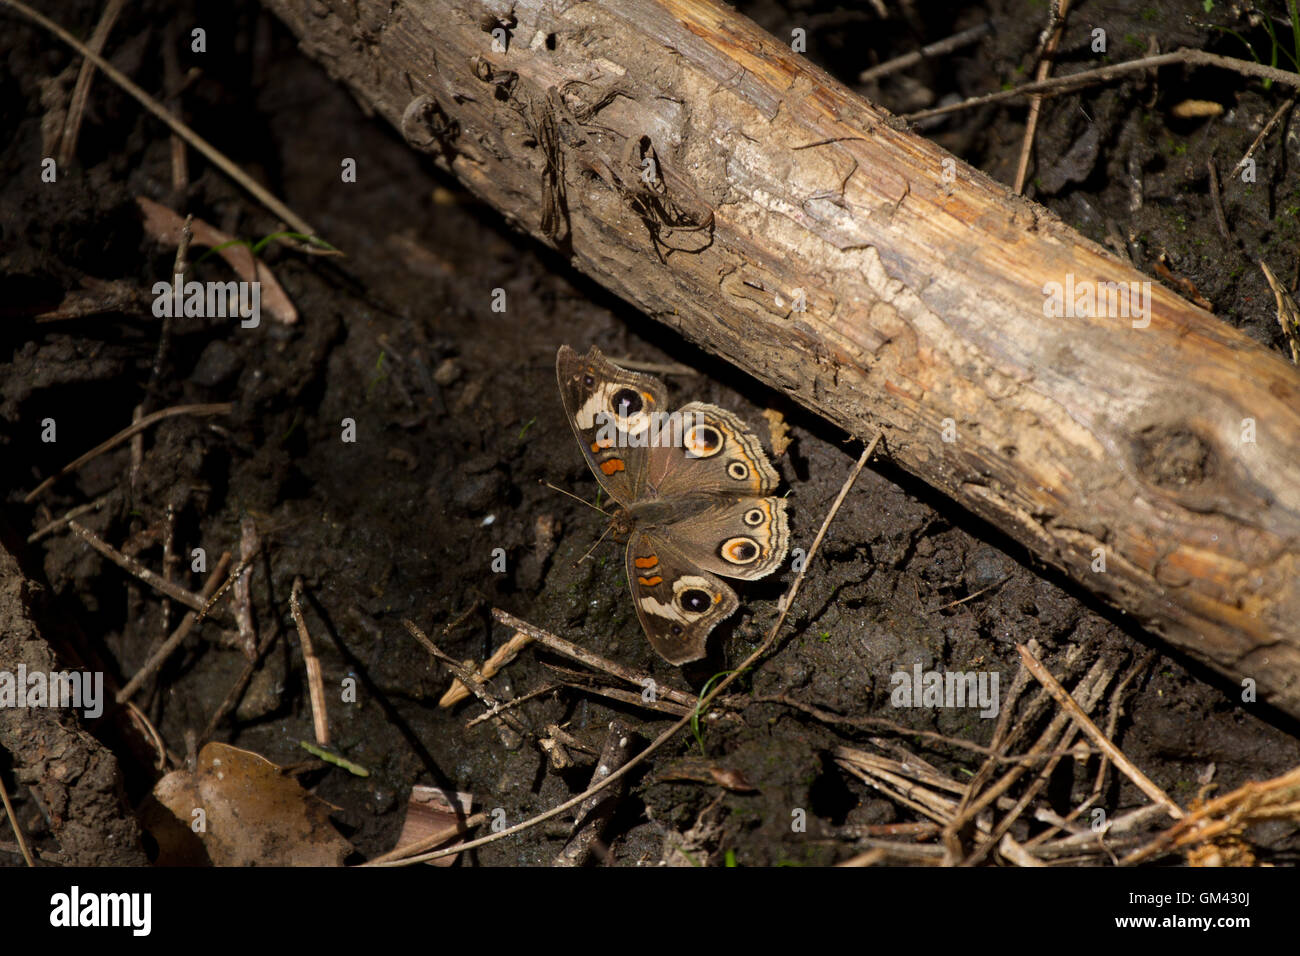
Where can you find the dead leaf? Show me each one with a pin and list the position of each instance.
(432, 810)
(245, 812)
(95, 297)
(163, 225)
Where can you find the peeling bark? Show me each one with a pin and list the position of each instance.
(75, 778)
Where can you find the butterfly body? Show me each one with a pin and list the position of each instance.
(694, 493)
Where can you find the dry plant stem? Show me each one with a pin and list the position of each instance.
(169, 562)
(969, 597)
(1066, 84)
(217, 158)
(1272, 121)
(1054, 31)
(594, 661)
(180, 265)
(175, 85)
(76, 512)
(938, 48)
(1216, 200)
(870, 858)
(415, 853)
(1016, 853)
(315, 683)
(132, 566)
(514, 702)
(13, 823)
(165, 651)
(234, 576)
(137, 451)
(919, 831)
(1000, 740)
(919, 797)
(596, 810)
(1112, 725)
(1228, 812)
(973, 805)
(636, 700)
(146, 727)
(1120, 825)
(462, 617)
(77, 104)
(249, 546)
(999, 831)
(499, 659)
(1059, 730)
(914, 769)
(237, 689)
(458, 669)
(671, 732)
(221, 408)
(877, 723)
(1288, 316)
(1067, 703)
(907, 853)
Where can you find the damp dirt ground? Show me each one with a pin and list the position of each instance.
(458, 426)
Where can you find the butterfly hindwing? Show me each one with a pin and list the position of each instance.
(738, 537)
(678, 604)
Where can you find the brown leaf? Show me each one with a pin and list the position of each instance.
(245, 812)
(165, 226)
(432, 810)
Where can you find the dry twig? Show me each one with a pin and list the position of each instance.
(1116, 756)
(215, 156)
(1067, 84)
(13, 823)
(315, 683)
(220, 408)
(157, 658)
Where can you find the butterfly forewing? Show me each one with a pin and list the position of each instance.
(611, 410)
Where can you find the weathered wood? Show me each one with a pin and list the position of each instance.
(1167, 445)
(74, 776)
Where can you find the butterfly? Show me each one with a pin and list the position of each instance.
(694, 491)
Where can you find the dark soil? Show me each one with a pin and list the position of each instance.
(458, 423)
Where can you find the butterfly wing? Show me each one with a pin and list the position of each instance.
(743, 538)
(611, 411)
(678, 603)
(707, 450)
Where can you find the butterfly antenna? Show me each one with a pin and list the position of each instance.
(593, 547)
(576, 498)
